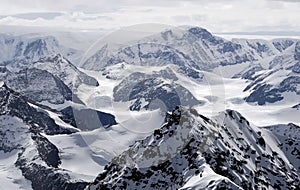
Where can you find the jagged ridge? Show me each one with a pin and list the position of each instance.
(237, 152)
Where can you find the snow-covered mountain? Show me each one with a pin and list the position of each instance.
(30, 155)
(185, 46)
(52, 78)
(191, 151)
(35, 66)
(64, 70)
(281, 80)
(19, 50)
(194, 48)
(61, 125)
(154, 91)
(39, 85)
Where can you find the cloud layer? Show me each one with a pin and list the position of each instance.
(217, 15)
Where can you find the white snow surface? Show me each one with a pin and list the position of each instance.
(15, 135)
(197, 183)
(96, 148)
(218, 93)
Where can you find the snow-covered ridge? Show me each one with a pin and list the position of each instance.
(196, 48)
(14, 104)
(19, 50)
(153, 91)
(33, 155)
(237, 154)
(193, 46)
(280, 81)
(64, 70)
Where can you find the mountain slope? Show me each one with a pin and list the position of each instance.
(187, 47)
(192, 149)
(39, 85)
(18, 51)
(153, 91)
(289, 138)
(280, 81)
(34, 155)
(64, 70)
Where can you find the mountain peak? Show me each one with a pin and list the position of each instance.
(199, 32)
(189, 146)
(62, 68)
(204, 34)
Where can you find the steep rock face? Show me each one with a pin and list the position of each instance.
(43, 177)
(64, 70)
(52, 78)
(3, 73)
(191, 151)
(39, 161)
(297, 51)
(39, 85)
(262, 48)
(158, 90)
(151, 54)
(263, 93)
(11, 139)
(14, 104)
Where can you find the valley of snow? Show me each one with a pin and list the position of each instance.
(96, 148)
(219, 93)
(84, 154)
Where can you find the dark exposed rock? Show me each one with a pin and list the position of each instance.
(264, 94)
(297, 51)
(63, 69)
(39, 85)
(152, 89)
(47, 151)
(12, 103)
(87, 119)
(282, 45)
(42, 177)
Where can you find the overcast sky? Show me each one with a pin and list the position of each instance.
(215, 15)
